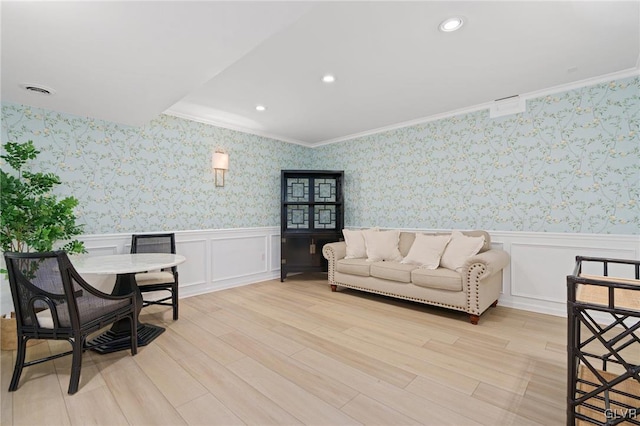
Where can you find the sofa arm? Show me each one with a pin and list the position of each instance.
(493, 260)
(333, 252)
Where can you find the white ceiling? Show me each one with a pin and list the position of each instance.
(127, 62)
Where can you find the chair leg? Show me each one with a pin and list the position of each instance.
(174, 301)
(17, 370)
(76, 364)
(134, 334)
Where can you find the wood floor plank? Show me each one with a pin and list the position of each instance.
(480, 411)
(536, 348)
(242, 399)
(176, 345)
(140, 400)
(203, 304)
(39, 395)
(211, 324)
(178, 386)
(525, 407)
(298, 310)
(277, 296)
(550, 391)
(264, 335)
(413, 359)
(206, 342)
(403, 401)
(278, 313)
(375, 320)
(374, 366)
(277, 353)
(207, 410)
(294, 399)
(6, 398)
(236, 305)
(52, 411)
(93, 406)
(328, 390)
(368, 411)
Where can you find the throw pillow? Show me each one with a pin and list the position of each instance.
(355, 244)
(427, 250)
(382, 245)
(459, 249)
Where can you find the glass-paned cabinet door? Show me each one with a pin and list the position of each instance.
(324, 217)
(298, 190)
(298, 216)
(325, 190)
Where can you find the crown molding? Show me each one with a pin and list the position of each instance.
(631, 72)
(410, 123)
(232, 127)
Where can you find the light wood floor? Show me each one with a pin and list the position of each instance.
(296, 353)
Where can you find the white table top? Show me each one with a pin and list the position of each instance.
(124, 263)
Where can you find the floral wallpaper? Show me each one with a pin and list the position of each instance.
(156, 177)
(570, 163)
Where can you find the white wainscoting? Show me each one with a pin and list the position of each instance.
(536, 279)
(218, 259)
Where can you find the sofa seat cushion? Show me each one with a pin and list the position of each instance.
(441, 278)
(394, 271)
(353, 267)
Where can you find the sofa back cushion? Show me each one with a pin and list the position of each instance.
(487, 238)
(354, 239)
(382, 245)
(405, 242)
(355, 244)
(460, 248)
(407, 238)
(427, 250)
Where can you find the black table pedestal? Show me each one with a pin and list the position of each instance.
(115, 339)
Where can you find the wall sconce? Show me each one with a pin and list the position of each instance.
(220, 162)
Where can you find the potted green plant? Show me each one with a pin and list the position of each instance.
(32, 218)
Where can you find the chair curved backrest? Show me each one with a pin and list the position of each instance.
(37, 286)
(52, 301)
(167, 280)
(153, 243)
(49, 296)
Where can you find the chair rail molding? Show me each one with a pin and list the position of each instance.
(535, 279)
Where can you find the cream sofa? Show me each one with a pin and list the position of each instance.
(472, 288)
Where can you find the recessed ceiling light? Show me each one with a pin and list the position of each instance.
(38, 88)
(451, 24)
(261, 108)
(328, 78)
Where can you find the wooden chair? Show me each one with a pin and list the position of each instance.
(164, 280)
(52, 301)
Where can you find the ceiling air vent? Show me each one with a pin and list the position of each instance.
(506, 106)
(38, 88)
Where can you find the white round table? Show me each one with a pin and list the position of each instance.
(125, 267)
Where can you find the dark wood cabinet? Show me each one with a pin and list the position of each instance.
(312, 215)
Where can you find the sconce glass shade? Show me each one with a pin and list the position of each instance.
(220, 163)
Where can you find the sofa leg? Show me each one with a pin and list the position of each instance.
(334, 287)
(474, 319)
(494, 304)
